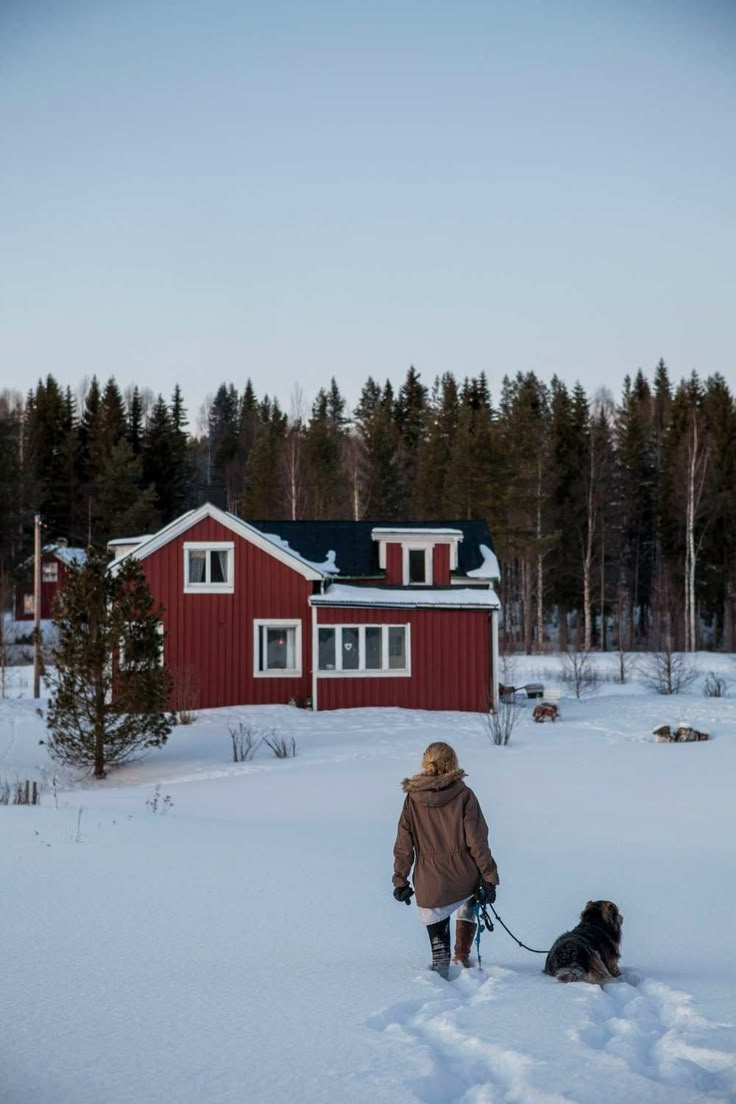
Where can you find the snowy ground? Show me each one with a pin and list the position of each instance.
(242, 944)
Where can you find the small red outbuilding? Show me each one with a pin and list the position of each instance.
(55, 562)
(332, 614)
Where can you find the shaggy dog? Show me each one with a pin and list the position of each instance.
(590, 952)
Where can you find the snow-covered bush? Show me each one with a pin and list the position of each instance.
(500, 724)
(282, 747)
(666, 671)
(246, 741)
(715, 686)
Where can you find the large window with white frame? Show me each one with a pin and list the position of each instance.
(277, 648)
(363, 650)
(208, 567)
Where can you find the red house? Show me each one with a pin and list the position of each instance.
(338, 614)
(55, 561)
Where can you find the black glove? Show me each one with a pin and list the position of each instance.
(486, 893)
(404, 893)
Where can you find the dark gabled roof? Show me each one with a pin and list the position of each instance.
(356, 554)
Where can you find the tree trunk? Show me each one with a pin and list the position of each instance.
(527, 598)
(590, 522)
(603, 640)
(696, 469)
(540, 573)
(540, 604)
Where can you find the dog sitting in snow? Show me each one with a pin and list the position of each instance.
(590, 952)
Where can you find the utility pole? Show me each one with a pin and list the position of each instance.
(37, 605)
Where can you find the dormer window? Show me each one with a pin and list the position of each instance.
(417, 565)
(417, 555)
(208, 567)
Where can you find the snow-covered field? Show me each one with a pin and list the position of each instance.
(239, 942)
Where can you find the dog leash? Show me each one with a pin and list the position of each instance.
(532, 949)
(485, 923)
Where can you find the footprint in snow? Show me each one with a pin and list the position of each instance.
(508, 1037)
(451, 1063)
(657, 1033)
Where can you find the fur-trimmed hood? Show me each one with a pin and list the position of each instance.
(434, 789)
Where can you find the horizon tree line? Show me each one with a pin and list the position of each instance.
(613, 520)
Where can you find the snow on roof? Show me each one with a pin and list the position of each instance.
(410, 597)
(489, 569)
(329, 567)
(415, 531)
(128, 540)
(77, 556)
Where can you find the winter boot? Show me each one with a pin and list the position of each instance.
(464, 933)
(439, 937)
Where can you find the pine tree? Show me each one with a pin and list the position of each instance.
(636, 491)
(112, 424)
(264, 497)
(380, 493)
(411, 415)
(527, 534)
(124, 506)
(434, 451)
(181, 489)
(224, 423)
(161, 461)
(324, 443)
(109, 689)
(134, 431)
(718, 577)
(52, 448)
(89, 431)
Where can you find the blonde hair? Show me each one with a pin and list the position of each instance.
(439, 758)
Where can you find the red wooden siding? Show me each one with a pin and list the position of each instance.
(441, 565)
(213, 633)
(394, 564)
(450, 661)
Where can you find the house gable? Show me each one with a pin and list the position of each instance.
(235, 525)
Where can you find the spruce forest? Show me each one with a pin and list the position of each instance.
(612, 516)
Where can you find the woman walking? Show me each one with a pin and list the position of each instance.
(443, 835)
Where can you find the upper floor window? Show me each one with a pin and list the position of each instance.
(50, 572)
(417, 565)
(208, 567)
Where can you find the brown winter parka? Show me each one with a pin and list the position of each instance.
(443, 834)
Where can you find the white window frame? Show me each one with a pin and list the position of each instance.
(361, 671)
(207, 587)
(428, 550)
(50, 572)
(260, 623)
(161, 658)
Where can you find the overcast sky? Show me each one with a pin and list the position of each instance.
(205, 191)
